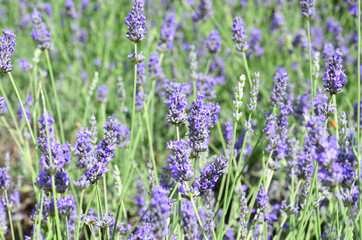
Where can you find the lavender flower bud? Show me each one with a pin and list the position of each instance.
(254, 93)
(179, 161)
(102, 93)
(211, 173)
(93, 84)
(25, 65)
(281, 80)
(7, 44)
(136, 22)
(117, 180)
(4, 179)
(3, 106)
(204, 11)
(160, 211)
(262, 199)
(307, 7)
(40, 32)
(244, 212)
(141, 74)
(176, 104)
(136, 58)
(167, 33)
(189, 221)
(239, 34)
(238, 102)
(335, 78)
(213, 43)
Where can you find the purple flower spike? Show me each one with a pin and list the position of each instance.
(4, 179)
(167, 33)
(179, 161)
(189, 221)
(213, 42)
(211, 173)
(102, 93)
(3, 106)
(136, 22)
(160, 211)
(176, 104)
(307, 7)
(262, 199)
(334, 77)
(204, 11)
(39, 31)
(239, 34)
(7, 44)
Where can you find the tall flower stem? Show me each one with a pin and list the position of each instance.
(359, 112)
(87, 210)
(54, 193)
(134, 98)
(22, 108)
(310, 66)
(9, 213)
(55, 95)
(247, 69)
(80, 211)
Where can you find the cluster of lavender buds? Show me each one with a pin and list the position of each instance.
(136, 58)
(307, 7)
(203, 117)
(204, 11)
(27, 103)
(189, 221)
(136, 22)
(160, 210)
(102, 93)
(334, 77)
(281, 80)
(104, 151)
(55, 157)
(40, 32)
(7, 44)
(168, 31)
(238, 102)
(239, 34)
(123, 136)
(244, 212)
(177, 103)
(262, 199)
(254, 93)
(213, 43)
(25, 65)
(3, 106)
(211, 173)
(4, 179)
(179, 161)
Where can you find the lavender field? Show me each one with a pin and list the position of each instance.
(187, 119)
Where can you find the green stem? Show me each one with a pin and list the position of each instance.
(9, 213)
(134, 98)
(79, 213)
(55, 96)
(310, 66)
(22, 108)
(87, 209)
(247, 69)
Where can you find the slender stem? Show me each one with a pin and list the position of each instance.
(177, 133)
(20, 229)
(359, 112)
(80, 210)
(134, 98)
(310, 66)
(247, 69)
(150, 143)
(55, 96)
(22, 107)
(105, 197)
(9, 213)
(87, 209)
(207, 69)
(39, 216)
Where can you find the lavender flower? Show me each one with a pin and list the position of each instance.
(123, 136)
(213, 43)
(176, 104)
(281, 80)
(7, 44)
(179, 162)
(211, 173)
(3, 106)
(136, 58)
(106, 221)
(154, 68)
(4, 179)
(25, 65)
(141, 74)
(239, 34)
(84, 149)
(60, 153)
(238, 102)
(136, 22)
(244, 212)
(3, 219)
(307, 7)
(117, 180)
(102, 93)
(189, 221)
(254, 93)
(105, 151)
(39, 31)
(262, 199)
(335, 78)
(228, 133)
(204, 11)
(160, 211)
(70, 9)
(168, 31)
(66, 205)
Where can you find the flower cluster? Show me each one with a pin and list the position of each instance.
(307, 7)
(7, 44)
(239, 34)
(136, 22)
(3, 106)
(39, 31)
(168, 31)
(334, 77)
